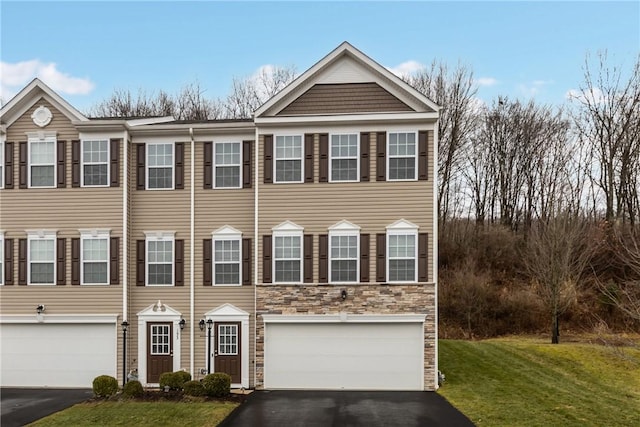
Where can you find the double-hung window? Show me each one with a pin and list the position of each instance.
(42, 257)
(160, 259)
(288, 158)
(402, 250)
(2, 258)
(227, 164)
(403, 157)
(344, 157)
(287, 251)
(160, 164)
(42, 161)
(95, 163)
(344, 253)
(1, 164)
(94, 257)
(226, 264)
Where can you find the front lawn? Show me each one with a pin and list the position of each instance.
(139, 414)
(527, 382)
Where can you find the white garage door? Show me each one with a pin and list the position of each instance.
(350, 356)
(56, 355)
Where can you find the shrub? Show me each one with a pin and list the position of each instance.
(193, 388)
(105, 386)
(217, 384)
(133, 389)
(174, 380)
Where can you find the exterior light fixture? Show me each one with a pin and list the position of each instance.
(182, 322)
(125, 326)
(343, 294)
(201, 324)
(209, 326)
(40, 308)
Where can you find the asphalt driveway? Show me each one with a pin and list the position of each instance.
(345, 408)
(20, 406)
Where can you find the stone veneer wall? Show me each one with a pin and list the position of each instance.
(361, 299)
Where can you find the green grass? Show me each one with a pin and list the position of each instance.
(526, 382)
(139, 414)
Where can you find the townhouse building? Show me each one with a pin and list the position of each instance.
(292, 250)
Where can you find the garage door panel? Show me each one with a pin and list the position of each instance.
(344, 356)
(57, 355)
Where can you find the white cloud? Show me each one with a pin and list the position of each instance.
(406, 68)
(486, 81)
(595, 97)
(14, 76)
(533, 88)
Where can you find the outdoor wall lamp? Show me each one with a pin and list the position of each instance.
(40, 308)
(343, 294)
(201, 324)
(209, 324)
(182, 322)
(125, 326)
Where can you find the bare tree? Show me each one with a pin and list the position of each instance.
(554, 258)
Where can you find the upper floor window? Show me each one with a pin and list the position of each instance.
(42, 160)
(402, 250)
(227, 164)
(287, 253)
(42, 257)
(226, 260)
(288, 158)
(2, 258)
(160, 165)
(344, 252)
(95, 163)
(160, 258)
(94, 257)
(1, 164)
(402, 159)
(344, 157)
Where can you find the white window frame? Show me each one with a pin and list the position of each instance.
(287, 229)
(415, 156)
(216, 166)
(1, 258)
(402, 228)
(159, 236)
(95, 235)
(42, 137)
(275, 159)
(344, 228)
(39, 235)
(225, 233)
(356, 158)
(148, 167)
(2, 165)
(83, 163)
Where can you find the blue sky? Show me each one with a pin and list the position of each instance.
(85, 50)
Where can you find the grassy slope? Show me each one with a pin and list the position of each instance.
(523, 382)
(152, 414)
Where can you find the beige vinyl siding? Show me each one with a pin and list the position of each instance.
(344, 98)
(371, 205)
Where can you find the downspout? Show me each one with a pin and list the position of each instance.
(255, 253)
(125, 226)
(191, 258)
(435, 243)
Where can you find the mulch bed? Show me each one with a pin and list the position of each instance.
(175, 396)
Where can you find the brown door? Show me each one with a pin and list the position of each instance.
(227, 350)
(159, 350)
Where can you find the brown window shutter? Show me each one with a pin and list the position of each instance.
(75, 163)
(208, 164)
(140, 168)
(324, 157)
(266, 259)
(246, 261)
(8, 165)
(365, 147)
(114, 162)
(207, 260)
(140, 262)
(308, 258)
(268, 159)
(423, 249)
(114, 261)
(179, 262)
(22, 167)
(61, 158)
(61, 264)
(423, 138)
(8, 262)
(179, 152)
(22, 261)
(323, 258)
(75, 261)
(246, 164)
(381, 259)
(308, 157)
(381, 159)
(364, 258)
